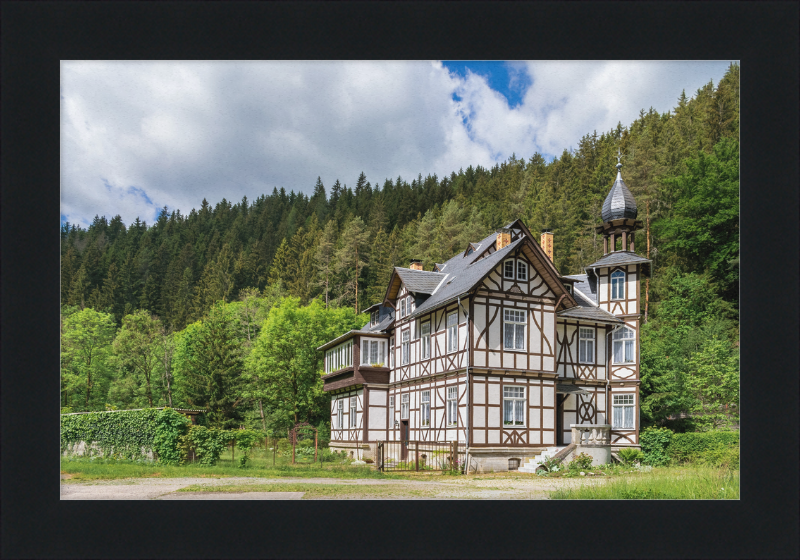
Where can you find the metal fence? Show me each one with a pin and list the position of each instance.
(420, 455)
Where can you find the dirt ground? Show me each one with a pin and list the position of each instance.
(529, 487)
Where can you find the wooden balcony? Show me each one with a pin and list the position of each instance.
(355, 375)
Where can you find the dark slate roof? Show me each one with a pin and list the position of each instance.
(590, 313)
(619, 257)
(385, 319)
(619, 203)
(463, 273)
(419, 281)
(585, 285)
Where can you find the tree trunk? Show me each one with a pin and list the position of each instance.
(261, 409)
(647, 281)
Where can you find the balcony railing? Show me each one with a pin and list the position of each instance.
(591, 435)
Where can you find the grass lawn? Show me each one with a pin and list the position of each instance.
(667, 483)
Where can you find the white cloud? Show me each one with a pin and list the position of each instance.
(140, 135)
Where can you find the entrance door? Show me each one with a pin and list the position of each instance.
(404, 439)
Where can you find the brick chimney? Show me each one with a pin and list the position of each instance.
(415, 265)
(546, 242)
(503, 238)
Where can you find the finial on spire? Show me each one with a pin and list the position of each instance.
(619, 156)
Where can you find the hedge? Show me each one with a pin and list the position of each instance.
(691, 446)
(119, 434)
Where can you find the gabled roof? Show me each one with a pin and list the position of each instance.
(416, 281)
(621, 258)
(586, 286)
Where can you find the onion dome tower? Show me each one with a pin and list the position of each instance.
(619, 216)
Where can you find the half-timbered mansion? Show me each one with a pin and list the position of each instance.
(496, 349)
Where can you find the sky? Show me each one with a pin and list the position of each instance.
(138, 136)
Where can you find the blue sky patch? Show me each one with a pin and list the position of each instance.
(507, 78)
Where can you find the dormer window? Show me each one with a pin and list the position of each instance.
(374, 318)
(618, 285)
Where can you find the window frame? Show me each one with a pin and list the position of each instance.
(405, 406)
(405, 347)
(425, 345)
(391, 412)
(584, 341)
(391, 352)
(513, 269)
(623, 406)
(402, 310)
(353, 412)
(425, 409)
(452, 405)
(452, 337)
(340, 413)
(524, 264)
(523, 324)
(518, 404)
(617, 287)
(627, 342)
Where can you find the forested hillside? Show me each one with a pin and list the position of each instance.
(178, 276)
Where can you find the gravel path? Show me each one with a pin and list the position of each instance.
(468, 487)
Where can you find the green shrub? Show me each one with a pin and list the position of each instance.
(170, 426)
(580, 462)
(654, 442)
(721, 456)
(208, 443)
(245, 441)
(691, 447)
(630, 456)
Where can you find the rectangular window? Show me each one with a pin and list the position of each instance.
(586, 346)
(522, 270)
(353, 407)
(402, 308)
(452, 332)
(391, 352)
(406, 351)
(391, 412)
(425, 336)
(374, 316)
(623, 410)
(452, 406)
(618, 285)
(513, 406)
(404, 399)
(340, 413)
(513, 329)
(508, 269)
(409, 303)
(426, 408)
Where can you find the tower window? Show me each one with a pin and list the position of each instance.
(624, 340)
(618, 285)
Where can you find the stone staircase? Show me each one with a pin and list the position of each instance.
(533, 464)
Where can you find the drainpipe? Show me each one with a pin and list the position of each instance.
(466, 416)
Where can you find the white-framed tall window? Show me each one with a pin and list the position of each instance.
(522, 270)
(409, 304)
(340, 413)
(513, 329)
(452, 332)
(624, 341)
(391, 412)
(391, 352)
(425, 341)
(623, 410)
(402, 308)
(618, 285)
(513, 406)
(452, 406)
(405, 347)
(404, 406)
(353, 411)
(508, 269)
(425, 408)
(586, 345)
(374, 318)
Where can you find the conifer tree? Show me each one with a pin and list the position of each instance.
(351, 258)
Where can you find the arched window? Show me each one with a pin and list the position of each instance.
(624, 340)
(618, 285)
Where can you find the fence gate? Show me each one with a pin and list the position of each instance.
(410, 455)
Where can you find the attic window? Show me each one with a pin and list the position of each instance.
(374, 318)
(470, 250)
(568, 287)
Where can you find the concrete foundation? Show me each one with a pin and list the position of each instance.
(496, 459)
(601, 455)
(357, 450)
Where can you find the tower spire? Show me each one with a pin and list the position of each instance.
(619, 164)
